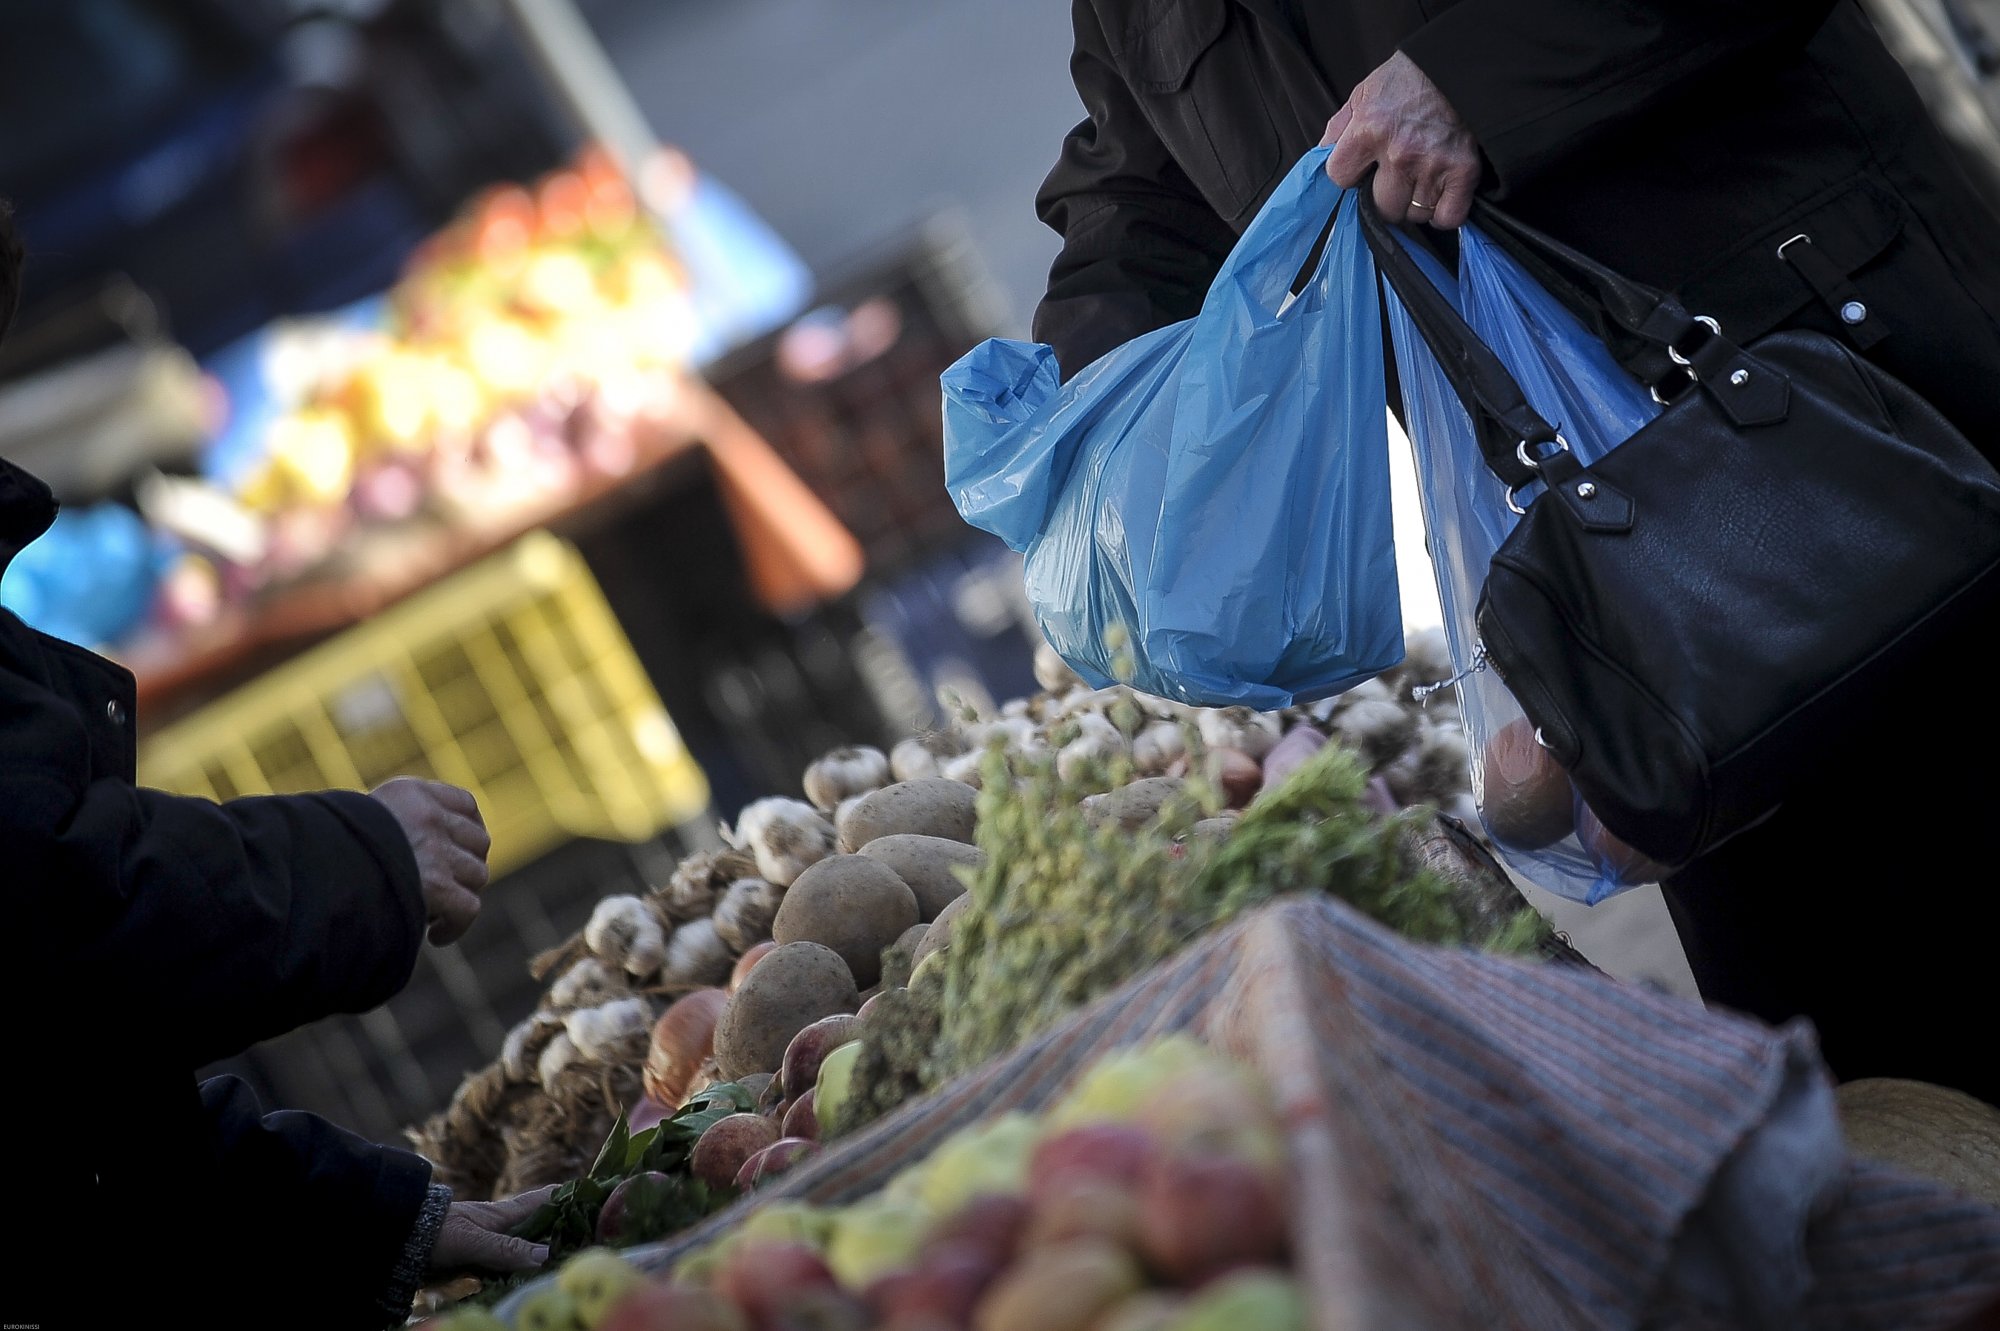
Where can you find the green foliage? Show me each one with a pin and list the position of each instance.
(567, 1222)
(1063, 911)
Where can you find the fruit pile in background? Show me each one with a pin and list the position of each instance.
(1153, 1197)
(522, 349)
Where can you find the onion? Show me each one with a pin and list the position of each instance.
(682, 1038)
(748, 960)
(1290, 754)
(1527, 800)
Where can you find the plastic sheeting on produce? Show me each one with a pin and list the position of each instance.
(1484, 1142)
(1204, 510)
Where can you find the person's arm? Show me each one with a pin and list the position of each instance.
(1140, 245)
(225, 923)
(1537, 81)
(362, 1223)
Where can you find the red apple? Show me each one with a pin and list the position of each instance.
(773, 1160)
(634, 1207)
(810, 1046)
(1112, 1152)
(1201, 1216)
(723, 1149)
(800, 1121)
(762, 1276)
(942, 1289)
(657, 1307)
(1086, 1208)
(993, 1223)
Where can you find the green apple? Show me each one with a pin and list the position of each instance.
(595, 1278)
(548, 1308)
(873, 1239)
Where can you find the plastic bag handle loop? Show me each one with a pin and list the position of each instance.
(1507, 428)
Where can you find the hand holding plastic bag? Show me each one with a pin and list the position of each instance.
(1204, 510)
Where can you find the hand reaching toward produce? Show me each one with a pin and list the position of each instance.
(450, 841)
(1398, 121)
(475, 1236)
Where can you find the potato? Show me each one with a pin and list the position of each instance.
(853, 904)
(1131, 807)
(938, 937)
(926, 863)
(792, 987)
(929, 806)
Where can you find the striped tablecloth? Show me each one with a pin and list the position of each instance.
(1481, 1142)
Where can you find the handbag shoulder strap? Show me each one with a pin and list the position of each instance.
(1641, 326)
(1616, 308)
(1507, 428)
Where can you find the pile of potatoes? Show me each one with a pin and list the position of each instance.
(873, 878)
(709, 977)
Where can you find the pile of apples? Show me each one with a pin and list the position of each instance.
(1152, 1198)
(527, 342)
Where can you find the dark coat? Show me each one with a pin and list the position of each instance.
(1680, 141)
(147, 935)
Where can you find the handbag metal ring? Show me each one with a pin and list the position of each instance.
(1675, 356)
(1513, 502)
(1533, 463)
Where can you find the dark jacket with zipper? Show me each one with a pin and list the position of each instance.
(148, 935)
(1678, 141)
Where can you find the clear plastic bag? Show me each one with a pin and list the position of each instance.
(1204, 510)
(1573, 382)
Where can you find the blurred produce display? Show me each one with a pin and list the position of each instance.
(1154, 1195)
(923, 910)
(535, 345)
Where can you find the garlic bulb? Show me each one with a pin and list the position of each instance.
(555, 1060)
(1097, 743)
(845, 773)
(624, 935)
(604, 1034)
(586, 984)
(1156, 748)
(1378, 731)
(699, 879)
(697, 957)
(785, 836)
(1016, 733)
(1244, 729)
(964, 769)
(743, 916)
(1051, 671)
(525, 1043)
(924, 755)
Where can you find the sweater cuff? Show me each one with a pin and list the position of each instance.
(415, 1262)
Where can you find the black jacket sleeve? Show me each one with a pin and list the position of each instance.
(1140, 244)
(1538, 81)
(318, 1216)
(225, 923)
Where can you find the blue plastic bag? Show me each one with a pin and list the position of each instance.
(91, 578)
(1572, 381)
(1205, 510)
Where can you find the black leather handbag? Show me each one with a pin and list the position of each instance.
(1707, 613)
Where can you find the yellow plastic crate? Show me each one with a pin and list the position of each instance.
(511, 678)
